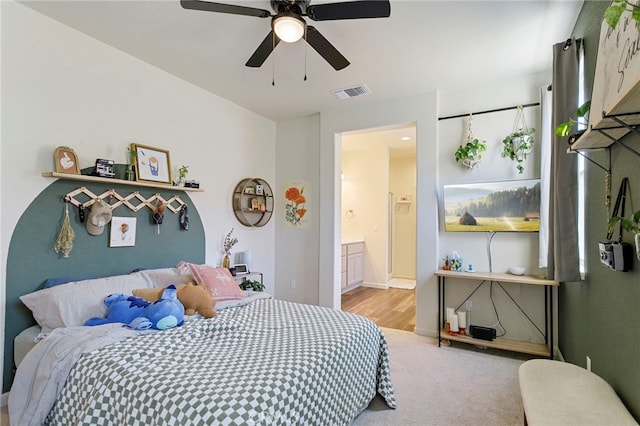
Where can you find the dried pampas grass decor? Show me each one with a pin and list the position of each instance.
(64, 242)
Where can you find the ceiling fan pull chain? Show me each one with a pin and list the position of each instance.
(273, 62)
(305, 53)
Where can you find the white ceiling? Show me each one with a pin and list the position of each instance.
(424, 46)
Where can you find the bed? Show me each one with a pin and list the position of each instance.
(258, 361)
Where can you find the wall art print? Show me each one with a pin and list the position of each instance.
(123, 232)
(152, 164)
(296, 206)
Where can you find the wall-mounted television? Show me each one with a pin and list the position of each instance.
(505, 206)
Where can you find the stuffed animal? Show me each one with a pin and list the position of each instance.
(167, 312)
(120, 308)
(154, 293)
(139, 314)
(195, 298)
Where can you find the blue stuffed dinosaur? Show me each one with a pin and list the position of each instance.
(138, 314)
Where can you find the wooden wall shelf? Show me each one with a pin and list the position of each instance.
(98, 179)
(615, 103)
(252, 202)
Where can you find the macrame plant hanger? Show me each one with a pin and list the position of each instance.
(520, 125)
(468, 162)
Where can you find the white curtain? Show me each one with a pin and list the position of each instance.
(546, 146)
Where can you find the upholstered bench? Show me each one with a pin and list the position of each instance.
(559, 393)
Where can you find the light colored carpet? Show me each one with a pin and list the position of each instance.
(402, 283)
(454, 385)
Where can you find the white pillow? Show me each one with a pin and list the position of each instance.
(71, 304)
(164, 277)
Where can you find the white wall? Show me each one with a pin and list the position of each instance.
(436, 141)
(61, 87)
(506, 249)
(421, 110)
(402, 182)
(297, 263)
(364, 193)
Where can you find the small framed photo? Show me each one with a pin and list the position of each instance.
(250, 190)
(259, 190)
(255, 204)
(123, 232)
(66, 160)
(152, 164)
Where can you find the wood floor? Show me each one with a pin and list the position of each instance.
(392, 308)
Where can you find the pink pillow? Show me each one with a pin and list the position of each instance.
(218, 281)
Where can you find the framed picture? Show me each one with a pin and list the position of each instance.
(250, 190)
(123, 232)
(259, 190)
(152, 164)
(66, 160)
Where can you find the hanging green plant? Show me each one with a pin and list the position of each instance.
(618, 7)
(519, 143)
(470, 153)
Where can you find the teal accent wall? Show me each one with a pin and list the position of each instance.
(31, 258)
(600, 317)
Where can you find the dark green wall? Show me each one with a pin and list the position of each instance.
(31, 258)
(600, 317)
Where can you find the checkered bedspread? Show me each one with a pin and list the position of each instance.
(267, 363)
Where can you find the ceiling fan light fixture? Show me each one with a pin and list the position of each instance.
(288, 27)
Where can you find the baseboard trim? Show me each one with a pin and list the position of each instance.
(375, 285)
(426, 332)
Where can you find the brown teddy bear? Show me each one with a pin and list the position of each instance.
(194, 298)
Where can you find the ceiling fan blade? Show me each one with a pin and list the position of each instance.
(326, 49)
(263, 51)
(224, 8)
(350, 10)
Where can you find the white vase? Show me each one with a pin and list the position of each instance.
(470, 163)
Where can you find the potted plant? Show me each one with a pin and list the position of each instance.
(129, 173)
(470, 153)
(251, 285)
(227, 245)
(183, 171)
(517, 145)
(631, 225)
(563, 129)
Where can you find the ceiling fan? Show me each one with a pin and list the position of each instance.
(288, 24)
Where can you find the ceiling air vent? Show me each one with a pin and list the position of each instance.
(352, 92)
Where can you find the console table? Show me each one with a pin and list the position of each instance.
(500, 343)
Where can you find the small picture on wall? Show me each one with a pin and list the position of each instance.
(250, 190)
(152, 164)
(259, 190)
(66, 160)
(296, 204)
(123, 232)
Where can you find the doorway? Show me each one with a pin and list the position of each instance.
(378, 207)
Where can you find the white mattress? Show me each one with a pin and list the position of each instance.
(24, 341)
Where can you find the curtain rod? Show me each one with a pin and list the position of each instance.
(489, 111)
